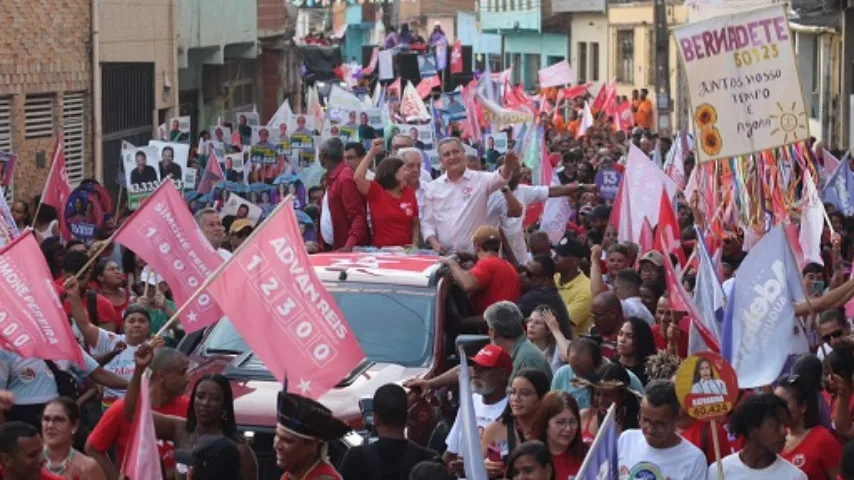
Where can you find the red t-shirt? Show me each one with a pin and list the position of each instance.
(681, 344)
(391, 218)
(497, 280)
(695, 433)
(566, 465)
(817, 453)
(105, 308)
(321, 470)
(113, 429)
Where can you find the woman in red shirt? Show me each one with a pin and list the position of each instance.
(809, 446)
(557, 425)
(392, 203)
(108, 279)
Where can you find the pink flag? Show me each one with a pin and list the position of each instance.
(164, 233)
(830, 163)
(644, 183)
(576, 90)
(212, 175)
(426, 85)
(457, 57)
(34, 323)
(555, 75)
(623, 116)
(56, 188)
(647, 241)
(235, 138)
(669, 239)
(621, 215)
(812, 222)
(142, 460)
(278, 305)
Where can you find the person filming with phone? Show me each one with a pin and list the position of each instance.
(391, 456)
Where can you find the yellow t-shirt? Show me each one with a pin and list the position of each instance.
(578, 299)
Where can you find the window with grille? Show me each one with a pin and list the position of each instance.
(652, 55)
(73, 127)
(626, 56)
(38, 116)
(582, 62)
(6, 135)
(594, 61)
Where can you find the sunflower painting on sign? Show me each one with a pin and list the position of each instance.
(751, 101)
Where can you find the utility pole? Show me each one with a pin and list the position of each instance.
(663, 102)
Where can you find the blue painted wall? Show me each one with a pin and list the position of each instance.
(550, 47)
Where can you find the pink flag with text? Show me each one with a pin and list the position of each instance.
(212, 175)
(56, 188)
(142, 460)
(555, 75)
(34, 323)
(164, 233)
(278, 305)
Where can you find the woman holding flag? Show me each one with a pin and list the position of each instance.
(211, 412)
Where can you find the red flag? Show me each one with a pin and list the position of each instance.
(681, 301)
(34, 323)
(143, 459)
(605, 97)
(212, 175)
(278, 305)
(576, 90)
(623, 116)
(426, 85)
(669, 238)
(457, 57)
(647, 241)
(164, 233)
(56, 188)
(394, 87)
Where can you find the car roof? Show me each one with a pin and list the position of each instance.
(400, 269)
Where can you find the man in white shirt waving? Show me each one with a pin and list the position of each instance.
(656, 450)
(455, 203)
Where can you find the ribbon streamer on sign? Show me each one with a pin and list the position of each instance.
(501, 117)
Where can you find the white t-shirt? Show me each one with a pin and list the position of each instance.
(512, 227)
(484, 414)
(709, 387)
(639, 461)
(735, 469)
(122, 364)
(326, 222)
(224, 254)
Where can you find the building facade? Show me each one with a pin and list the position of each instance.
(217, 59)
(137, 78)
(278, 62)
(45, 89)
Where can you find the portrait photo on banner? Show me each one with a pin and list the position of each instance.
(241, 208)
(173, 160)
(141, 166)
(179, 130)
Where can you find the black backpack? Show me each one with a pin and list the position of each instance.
(66, 383)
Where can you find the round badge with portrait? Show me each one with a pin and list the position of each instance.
(707, 386)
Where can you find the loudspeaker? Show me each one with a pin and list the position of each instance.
(406, 66)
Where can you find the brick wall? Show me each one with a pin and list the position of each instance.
(272, 17)
(45, 50)
(270, 82)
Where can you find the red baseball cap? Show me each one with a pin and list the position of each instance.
(493, 356)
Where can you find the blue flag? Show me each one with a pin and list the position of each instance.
(839, 188)
(601, 460)
(708, 296)
(470, 438)
(759, 326)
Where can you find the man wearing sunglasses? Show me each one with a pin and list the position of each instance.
(834, 329)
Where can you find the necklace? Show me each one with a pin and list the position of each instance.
(59, 468)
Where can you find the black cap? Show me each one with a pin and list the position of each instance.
(214, 457)
(570, 246)
(309, 418)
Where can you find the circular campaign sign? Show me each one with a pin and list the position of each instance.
(706, 386)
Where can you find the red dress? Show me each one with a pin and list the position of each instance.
(320, 470)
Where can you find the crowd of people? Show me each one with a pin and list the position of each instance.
(576, 327)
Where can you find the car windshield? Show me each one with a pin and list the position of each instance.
(394, 324)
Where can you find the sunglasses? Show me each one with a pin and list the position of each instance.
(834, 334)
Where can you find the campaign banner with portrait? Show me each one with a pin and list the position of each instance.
(301, 124)
(142, 173)
(427, 65)
(173, 160)
(608, 181)
(496, 141)
(743, 85)
(240, 208)
(302, 148)
(245, 122)
(220, 140)
(422, 135)
(189, 178)
(179, 130)
(86, 210)
(8, 160)
(346, 133)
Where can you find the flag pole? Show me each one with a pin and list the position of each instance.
(714, 427)
(49, 172)
(204, 286)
